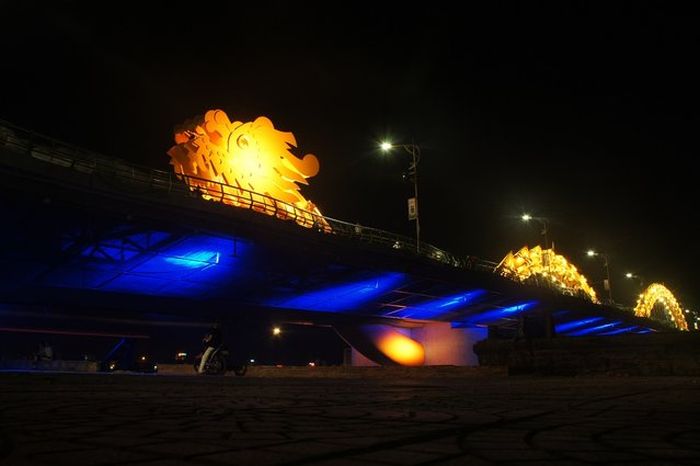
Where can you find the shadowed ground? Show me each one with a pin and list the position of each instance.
(467, 418)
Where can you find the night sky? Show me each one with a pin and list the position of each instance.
(586, 115)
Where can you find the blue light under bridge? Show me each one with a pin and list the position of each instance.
(159, 263)
(494, 315)
(346, 297)
(440, 307)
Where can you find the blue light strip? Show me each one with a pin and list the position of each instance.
(195, 259)
(436, 308)
(347, 297)
(574, 324)
(497, 314)
(595, 330)
(621, 330)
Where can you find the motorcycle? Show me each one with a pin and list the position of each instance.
(219, 362)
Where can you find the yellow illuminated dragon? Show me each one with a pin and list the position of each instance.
(529, 265)
(246, 165)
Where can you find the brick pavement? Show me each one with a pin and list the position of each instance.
(97, 419)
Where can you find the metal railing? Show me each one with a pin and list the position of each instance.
(65, 155)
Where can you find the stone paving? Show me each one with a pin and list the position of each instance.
(153, 420)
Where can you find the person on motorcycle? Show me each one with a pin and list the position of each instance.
(212, 340)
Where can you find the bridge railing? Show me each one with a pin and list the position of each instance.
(107, 169)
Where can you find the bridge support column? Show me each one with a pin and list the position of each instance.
(437, 342)
(360, 360)
(445, 345)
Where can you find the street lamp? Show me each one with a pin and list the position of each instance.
(606, 282)
(631, 275)
(634, 276)
(414, 151)
(545, 226)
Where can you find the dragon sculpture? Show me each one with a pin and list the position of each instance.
(530, 265)
(246, 165)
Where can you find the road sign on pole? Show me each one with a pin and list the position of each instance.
(412, 209)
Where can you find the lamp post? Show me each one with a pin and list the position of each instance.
(545, 226)
(631, 276)
(640, 281)
(276, 336)
(606, 283)
(413, 211)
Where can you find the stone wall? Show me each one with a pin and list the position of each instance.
(57, 365)
(673, 353)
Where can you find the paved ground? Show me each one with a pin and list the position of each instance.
(53, 419)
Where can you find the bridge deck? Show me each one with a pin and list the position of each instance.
(123, 236)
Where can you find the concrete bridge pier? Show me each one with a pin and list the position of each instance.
(431, 344)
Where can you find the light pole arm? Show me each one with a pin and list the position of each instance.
(414, 150)
(545, 231)
(607, 276)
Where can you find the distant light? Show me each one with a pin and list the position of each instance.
(591, 253)
(181, 355)
(143, 358)
(526, 218)
(629, 275)
(155, 367)
(312, 364)
(252, 361)
(386, 146)
(276, 331)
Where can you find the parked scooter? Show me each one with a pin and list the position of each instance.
(218, 363)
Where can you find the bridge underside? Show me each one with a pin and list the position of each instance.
(72, 239)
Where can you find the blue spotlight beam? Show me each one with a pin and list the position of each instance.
(494, 315)
(343, 298)
(574, 324)
(437, 308)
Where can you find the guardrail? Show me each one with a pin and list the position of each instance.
(65, 155)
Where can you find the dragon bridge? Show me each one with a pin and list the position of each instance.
(246, 165)
(537, 265)
(658, 293)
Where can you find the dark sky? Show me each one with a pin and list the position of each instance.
(586, 115)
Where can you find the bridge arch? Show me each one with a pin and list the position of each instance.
(658, 293)
(544, 267)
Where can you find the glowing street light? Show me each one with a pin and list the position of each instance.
(606, 282)
(631, 275)
(545, 226)
(413, 210)
(634, 276)
(276, 331)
